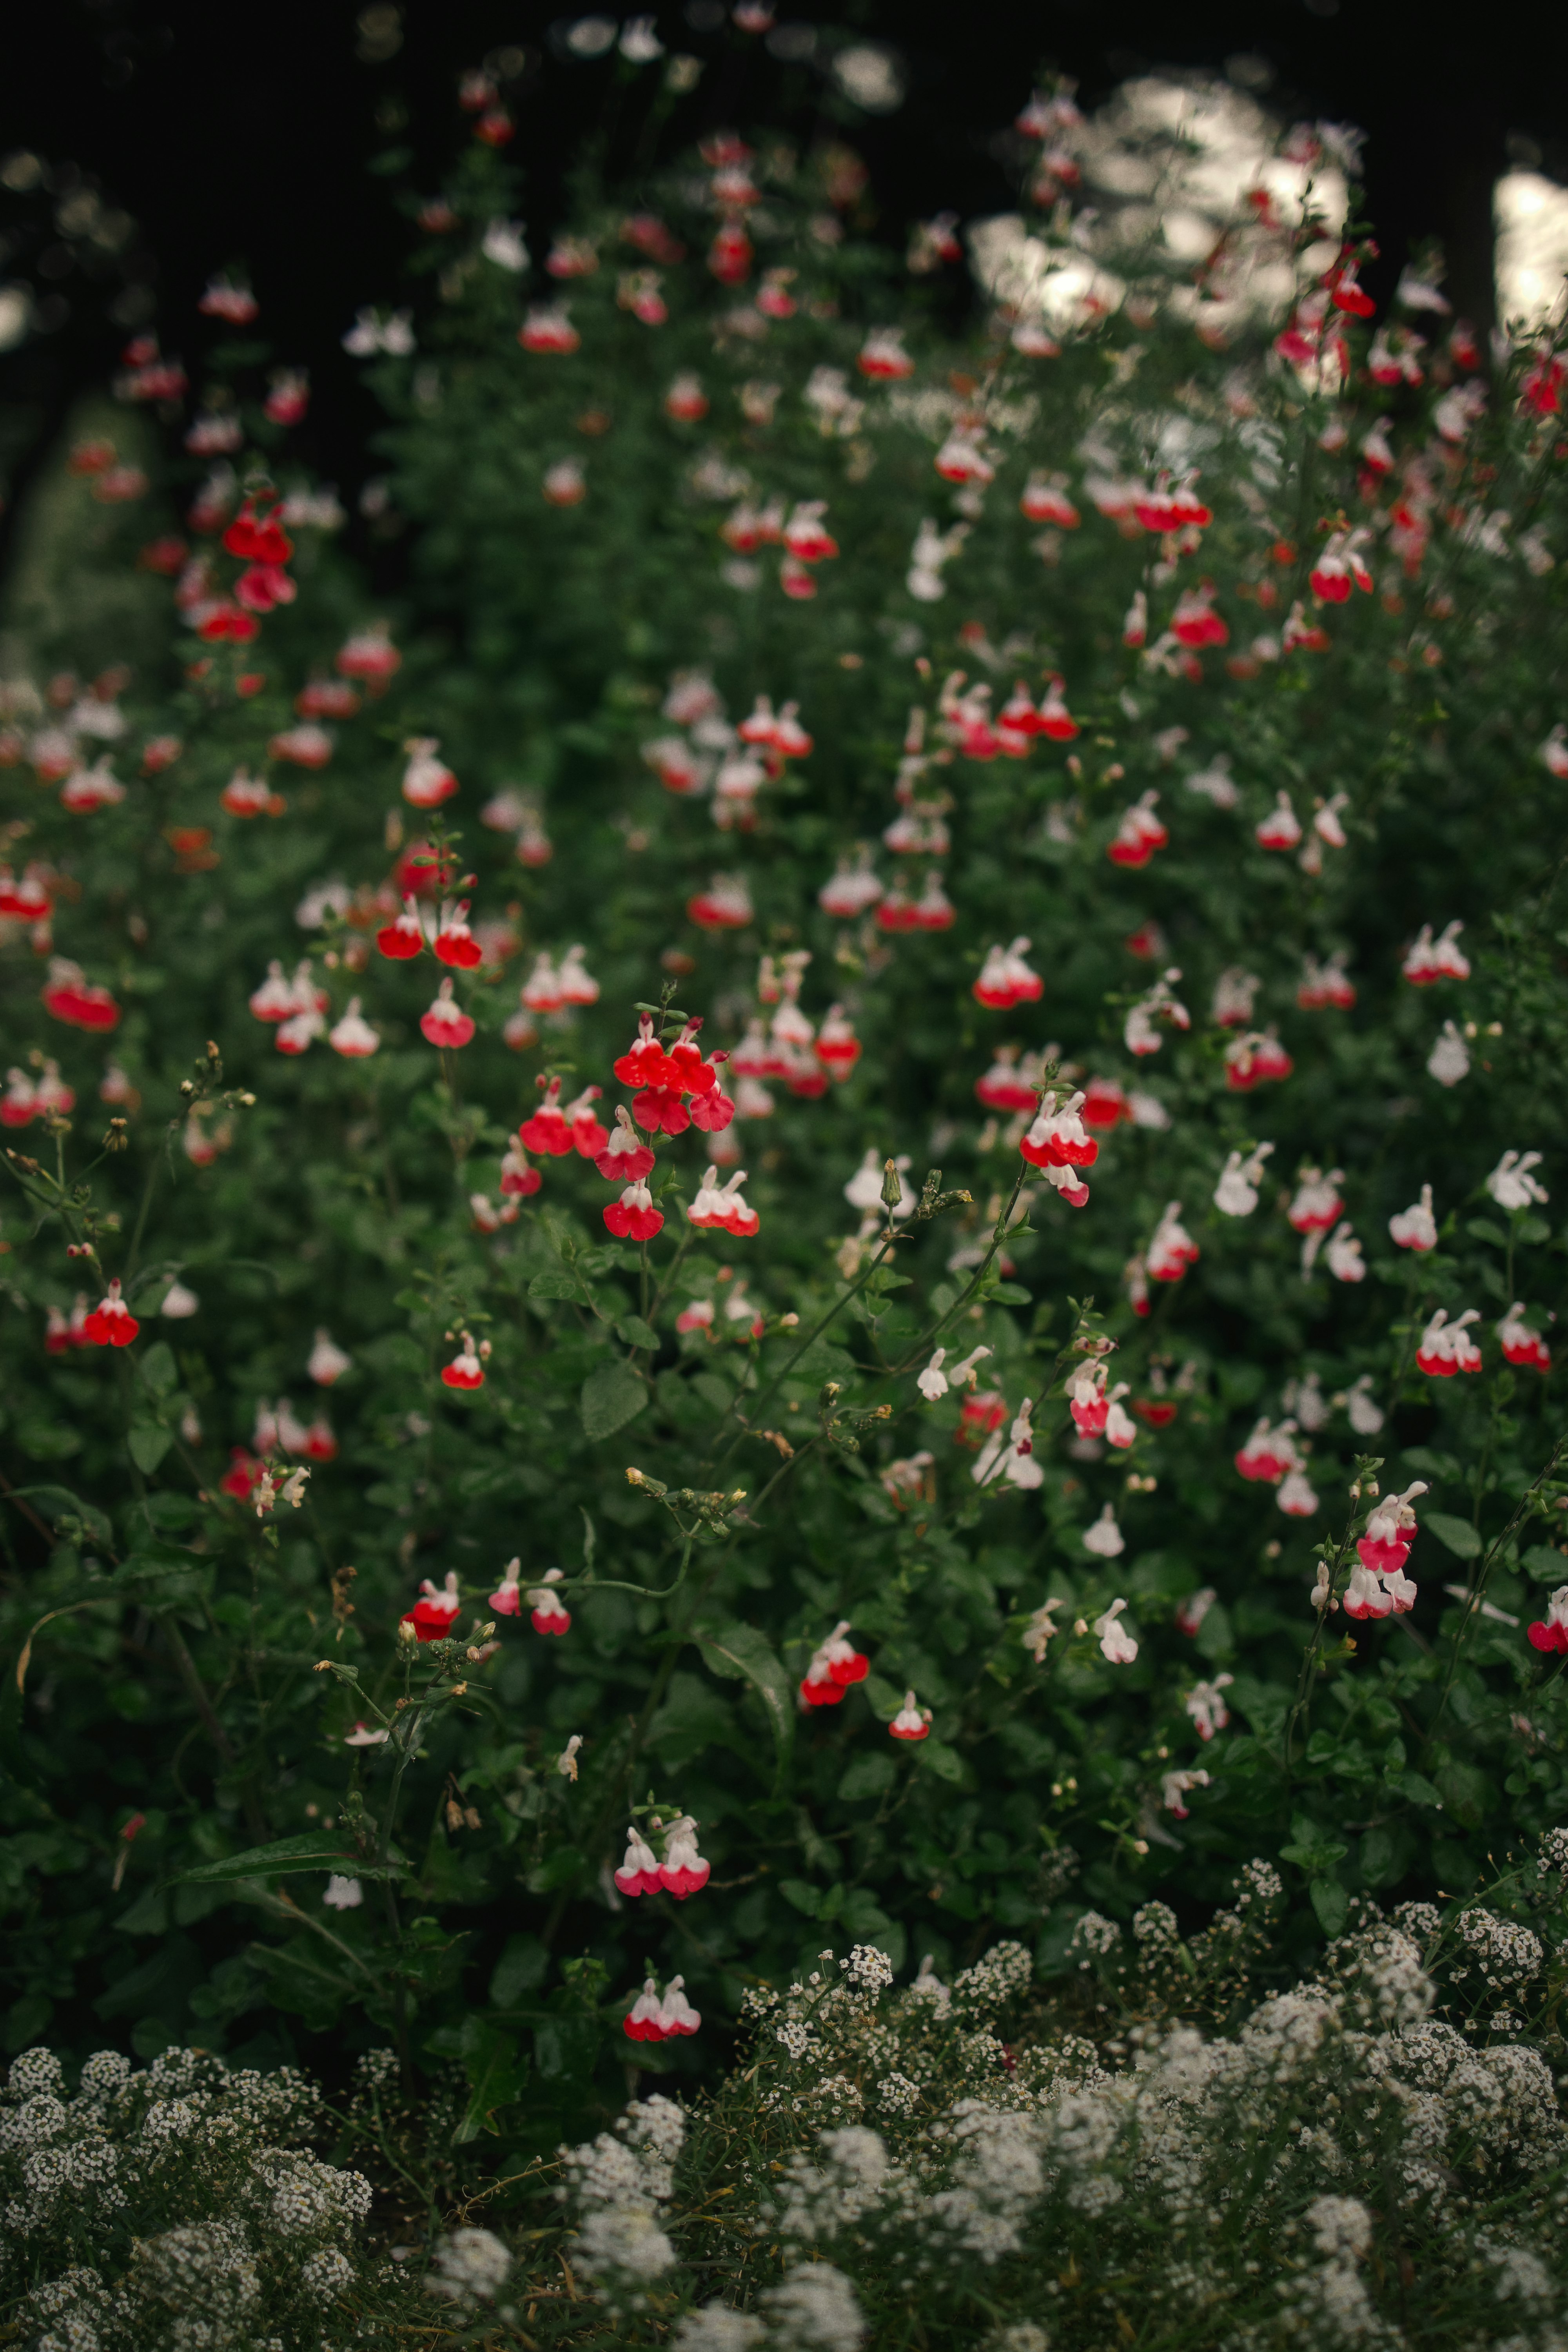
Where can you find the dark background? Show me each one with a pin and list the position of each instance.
(235, 133)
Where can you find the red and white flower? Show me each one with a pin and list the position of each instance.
(852, 889)
(1281, 828)
(1520, 1344)
(724, 906)
(110, 1324)
(1252, 1058)
(352, 1035)
(433, 1614)
(327, 1362)
(1317, 1203)
(682, 1871)
(1430, 959)
(1447, 1348)
(912, 1722)
(1415, 1228)
(427, 780)
(834, 1665)
(548, 1614)
(1005, 980)
(1270, 1454)
(1551, 1631)
(719, 1208)
(882, 356)
(634, 1217)
(625, 1158)
(837, 1046)
(1340, 563)
(1138, 833)
(1206, 1707)
(466, 1370)
(1175, 1785)
(446, 1023)
(1324, 986)
(1171, 1249)
(548, 328)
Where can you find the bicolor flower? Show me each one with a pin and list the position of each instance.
(834, 1665)
(1415, 1228)
(435, 1614)
(464, 1371)
(1447, 1348)
(1520, 1344)
(912, 1722)
(547, 1612)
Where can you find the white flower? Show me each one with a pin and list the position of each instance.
(1235, 1194)
(503, 244)
(1510, 1183)
(1115, 1642)
(473, 2266)
(1104, 1537)
(179, 1302)
(815, 2310)
(1449, 1060)
(932, 1382)
(342, 1893)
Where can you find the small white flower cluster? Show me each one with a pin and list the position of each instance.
(1269, 2175)
(1506, 1953)
(233, 2232)
(618, 2185)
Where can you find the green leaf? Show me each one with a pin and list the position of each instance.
(554, 1285)
(1316, 1860)
(1483, 1229)
(1545, 1562)
(314, 1850)
(148, 1444)
(1011, 1294)
(1458, 1534)
(612, 1396)
(159, 1371)
(743, 1655)
(636, 1332)
(496, 2070)
(713, 1391)
(521, 1970)
(803, 1895)
(1532, 1231)
(1331, 1903)
(1417, 1788)
(868, 1775)
(946, 1762)
(1466, 1793)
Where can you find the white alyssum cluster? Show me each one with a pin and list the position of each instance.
(619, 2184)
(1340, 2167)
(233, 2232)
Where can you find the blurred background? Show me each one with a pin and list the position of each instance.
(146, 143)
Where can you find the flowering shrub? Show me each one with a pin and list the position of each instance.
(882, 1073)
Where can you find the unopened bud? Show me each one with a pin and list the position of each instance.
(407, 1634)
(892, 1189)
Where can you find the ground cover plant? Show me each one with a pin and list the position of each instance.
(813, 1207)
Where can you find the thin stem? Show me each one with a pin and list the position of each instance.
(1477, 1590)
